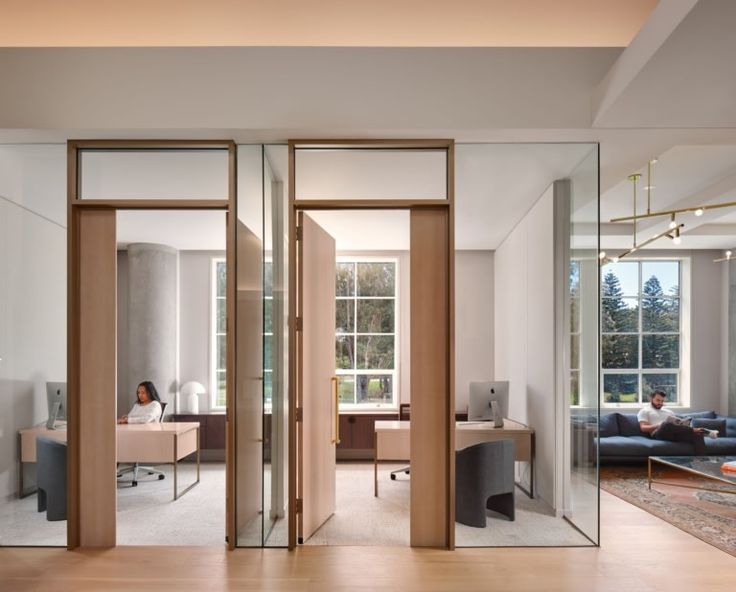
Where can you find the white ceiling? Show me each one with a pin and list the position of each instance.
(671, 93)
(184, 230)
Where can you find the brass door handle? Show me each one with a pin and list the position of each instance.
(336, 410)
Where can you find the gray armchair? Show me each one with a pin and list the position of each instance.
(51, 477)
(484, 479)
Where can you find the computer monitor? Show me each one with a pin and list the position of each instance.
(489, 401)
(56, 401)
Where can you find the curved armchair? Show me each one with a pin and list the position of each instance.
(484, 479)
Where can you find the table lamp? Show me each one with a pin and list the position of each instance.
(191, 391)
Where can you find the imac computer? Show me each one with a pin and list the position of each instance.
(56, 401)
(489, 401)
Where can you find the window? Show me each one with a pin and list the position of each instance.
(641, 330)
(366, 338)
(218, 339)
(575, 332)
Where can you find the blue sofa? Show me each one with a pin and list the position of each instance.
(620, 440)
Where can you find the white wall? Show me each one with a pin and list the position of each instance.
(525, 331)
(474, 320)
(32, 291)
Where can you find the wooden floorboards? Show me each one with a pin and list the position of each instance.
(639, 552)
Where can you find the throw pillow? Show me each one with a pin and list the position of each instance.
(711, 424)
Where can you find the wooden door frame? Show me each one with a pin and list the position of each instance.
(446, 206)
(75, 207)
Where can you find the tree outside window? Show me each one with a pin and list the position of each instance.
(640, 330)
(366, 337)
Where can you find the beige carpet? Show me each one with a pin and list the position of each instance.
(362, 519)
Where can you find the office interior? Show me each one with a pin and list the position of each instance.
(494, 339)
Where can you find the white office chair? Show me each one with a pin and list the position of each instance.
(135, 468)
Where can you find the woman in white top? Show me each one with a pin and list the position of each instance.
(148, 407)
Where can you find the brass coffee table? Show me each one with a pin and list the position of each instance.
(707, 467)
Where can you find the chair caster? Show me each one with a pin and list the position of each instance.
(134, 484)
(161, 477)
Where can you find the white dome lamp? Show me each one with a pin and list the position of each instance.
(191, 391)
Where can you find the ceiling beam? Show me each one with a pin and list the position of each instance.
(665, 18)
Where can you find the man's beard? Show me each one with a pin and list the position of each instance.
(657, 405)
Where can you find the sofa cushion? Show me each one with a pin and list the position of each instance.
(628, 425)
(721, 446)
(641, 446)
(699, 414)
(608, 425)
(711, 424)
(730, 425)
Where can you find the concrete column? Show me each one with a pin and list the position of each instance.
(152, 321)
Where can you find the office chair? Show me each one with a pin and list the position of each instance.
(135, 468)
(404, 414)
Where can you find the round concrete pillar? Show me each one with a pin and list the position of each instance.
(152, 318)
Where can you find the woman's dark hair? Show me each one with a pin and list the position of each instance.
(150, 389)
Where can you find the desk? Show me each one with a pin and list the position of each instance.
(153, 443)
(391, 442)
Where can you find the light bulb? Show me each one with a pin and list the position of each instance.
(615, 260)
(699, 212)
(728, 254)
(602, 255)
(677, 240)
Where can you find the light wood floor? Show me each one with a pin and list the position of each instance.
(639, 553)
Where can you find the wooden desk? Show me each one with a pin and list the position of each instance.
(391, 442)
(153, 443)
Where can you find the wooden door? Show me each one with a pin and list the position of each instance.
(249, 387)
(317, 433)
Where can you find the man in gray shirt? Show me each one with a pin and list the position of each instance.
(662, 424)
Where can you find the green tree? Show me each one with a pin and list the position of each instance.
(618, 351)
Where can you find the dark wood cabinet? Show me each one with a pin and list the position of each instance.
(356, 434)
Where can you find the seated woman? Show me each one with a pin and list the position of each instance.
(148, 407)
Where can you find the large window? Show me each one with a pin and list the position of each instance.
(366, 332)
(641, 330)
(218, 339)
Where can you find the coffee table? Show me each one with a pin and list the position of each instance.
(707, 467)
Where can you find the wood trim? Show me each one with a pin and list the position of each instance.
(231, 267)
(292, 460)
(418, 144)
(96, 384)
(151, 144)
(72, 345)
(431, 422)
(451, 346)
(368, 204)
(152, 204)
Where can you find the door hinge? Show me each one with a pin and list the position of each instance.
(299, 323)
(299, 233)
(299, 414)
(299, 505)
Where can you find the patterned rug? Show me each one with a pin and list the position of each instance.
(708, 515)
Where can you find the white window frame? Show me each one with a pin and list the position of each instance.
(215, 261)
(685, 312)
(368, 407)
(267, 404)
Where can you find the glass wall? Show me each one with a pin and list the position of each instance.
(582, 485)
(33, 240)
(526, 231)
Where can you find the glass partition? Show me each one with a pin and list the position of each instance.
(275, 346)
(582, 507)
(33, 328)
(153, 174)
(521, 211)
(370, 173)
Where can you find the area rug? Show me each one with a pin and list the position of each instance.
(707, 515)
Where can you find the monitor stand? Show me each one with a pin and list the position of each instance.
(496, 416)
(52, 418)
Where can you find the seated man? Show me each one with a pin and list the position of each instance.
(662, 424)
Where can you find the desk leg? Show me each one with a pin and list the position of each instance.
(375, 464)
(531, 469)
(20, 466)
(649, 472)
(176, 463)
(197, 455)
